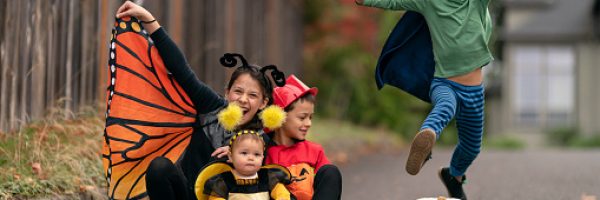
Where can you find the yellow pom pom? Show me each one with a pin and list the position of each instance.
(230, 117)
(272, 117)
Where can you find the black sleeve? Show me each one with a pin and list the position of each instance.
(203, 97)
(277, 176)
(215, 186)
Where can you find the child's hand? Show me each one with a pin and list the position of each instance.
(131, 9)
(220, 152)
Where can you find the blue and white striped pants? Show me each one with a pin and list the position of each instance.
(466, 103)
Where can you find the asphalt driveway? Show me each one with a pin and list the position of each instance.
(502, 175)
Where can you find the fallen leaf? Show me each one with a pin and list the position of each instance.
(29, 180)
(87, 189)
(36, 168)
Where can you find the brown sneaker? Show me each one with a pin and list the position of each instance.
(420, 151)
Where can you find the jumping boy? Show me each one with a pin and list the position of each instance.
(459, 31)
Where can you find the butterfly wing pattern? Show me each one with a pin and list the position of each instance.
(148, 115)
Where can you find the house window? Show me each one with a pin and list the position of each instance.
(543, 86)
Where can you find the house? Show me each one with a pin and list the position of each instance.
(549, 63)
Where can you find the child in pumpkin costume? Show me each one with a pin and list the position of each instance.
(313, 176)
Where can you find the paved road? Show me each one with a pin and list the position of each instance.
(495, 175)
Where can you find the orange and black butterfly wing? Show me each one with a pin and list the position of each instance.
(148, 115)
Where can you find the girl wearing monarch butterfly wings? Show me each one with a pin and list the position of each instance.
(161, 127)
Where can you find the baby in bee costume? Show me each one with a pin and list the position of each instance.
(244, 177)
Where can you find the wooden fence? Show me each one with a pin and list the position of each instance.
(53, 53)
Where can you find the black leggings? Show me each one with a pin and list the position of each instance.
(328, 183)
(164, 180)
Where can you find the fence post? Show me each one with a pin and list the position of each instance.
(38, 67)
(4, 18)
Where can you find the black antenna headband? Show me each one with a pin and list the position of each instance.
(229, 60)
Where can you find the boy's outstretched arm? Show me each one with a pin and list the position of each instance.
(414, 5)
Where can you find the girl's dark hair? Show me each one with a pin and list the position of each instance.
(257, 73)
(308, 97)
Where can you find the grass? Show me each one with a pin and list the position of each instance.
(52, 157)
(343, 141)
(586, 142)
(504, 142)
(572, 138)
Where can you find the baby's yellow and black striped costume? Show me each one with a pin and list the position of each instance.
(269, 184)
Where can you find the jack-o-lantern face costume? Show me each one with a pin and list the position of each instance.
(303, 178)
(303, 160)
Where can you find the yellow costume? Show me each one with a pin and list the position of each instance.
(216, 181)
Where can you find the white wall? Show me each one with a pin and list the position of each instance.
(539, 88)
(588, 98)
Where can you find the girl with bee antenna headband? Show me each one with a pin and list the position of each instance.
(164, 173)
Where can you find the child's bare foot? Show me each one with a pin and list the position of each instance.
(420, 151)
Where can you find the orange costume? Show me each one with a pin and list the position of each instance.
(303, 159)
(310, 169)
